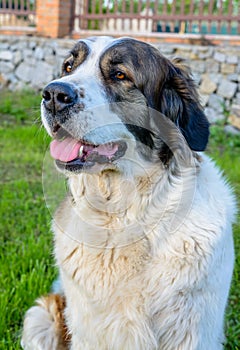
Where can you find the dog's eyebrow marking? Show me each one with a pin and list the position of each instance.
(77, 55)
(80, 51)
(116, 61)
(124, 51)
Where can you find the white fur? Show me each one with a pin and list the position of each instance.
(42, 326)
(145, 252)
(165, 291)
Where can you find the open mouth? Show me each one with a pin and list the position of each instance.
(74, 155)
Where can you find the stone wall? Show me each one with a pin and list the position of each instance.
(216, 70)
(34, 61)
(30, 61)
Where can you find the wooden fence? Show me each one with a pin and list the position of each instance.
(125, 16)
(175, 16)
(17, 13)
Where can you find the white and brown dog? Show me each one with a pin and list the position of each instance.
(143, 242)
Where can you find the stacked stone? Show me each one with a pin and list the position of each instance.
(34, 61)
(216, 71)
(30, 62)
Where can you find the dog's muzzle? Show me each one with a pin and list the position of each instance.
(58, 95)
(70, 153)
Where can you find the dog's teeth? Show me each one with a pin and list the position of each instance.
(80, 153)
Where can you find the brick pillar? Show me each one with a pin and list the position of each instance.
(54, 17)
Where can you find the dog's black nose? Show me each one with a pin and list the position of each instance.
(58, 95)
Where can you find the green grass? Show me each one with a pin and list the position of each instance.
(26, 263)
(225, 149)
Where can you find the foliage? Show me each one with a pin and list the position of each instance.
(225, 149)
(25, 239)
(135, 6)
(178, 7)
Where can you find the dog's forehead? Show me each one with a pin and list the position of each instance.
(88, 53)
(96, 47)
(97, 44)
(91, 49)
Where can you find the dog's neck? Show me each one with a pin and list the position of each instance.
(116, 189)
(112, 192)
(116, 208)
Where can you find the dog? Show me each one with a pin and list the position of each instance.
(143, 240)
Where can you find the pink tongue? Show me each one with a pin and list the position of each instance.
(68, 149)
(65, 150)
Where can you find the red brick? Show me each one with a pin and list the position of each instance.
(54, 18)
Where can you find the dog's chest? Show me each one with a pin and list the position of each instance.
(98, 242)
(105, 290)
(99, 273)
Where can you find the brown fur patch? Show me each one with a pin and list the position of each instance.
(55, 305)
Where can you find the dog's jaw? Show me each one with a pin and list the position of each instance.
(76, 156)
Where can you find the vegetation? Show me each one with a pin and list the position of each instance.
(25, 240)
(27, 266)
(136, 6)
(121, 9)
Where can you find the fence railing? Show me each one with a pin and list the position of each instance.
(16, 13)
(123, 16)
(175, 16)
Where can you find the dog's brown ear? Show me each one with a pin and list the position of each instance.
(179, 101)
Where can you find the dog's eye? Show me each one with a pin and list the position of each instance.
(68, 67)
(119, 75)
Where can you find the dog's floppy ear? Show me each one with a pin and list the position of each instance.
(169, 89)
(179, 101)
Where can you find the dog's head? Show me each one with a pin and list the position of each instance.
(100, 106)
